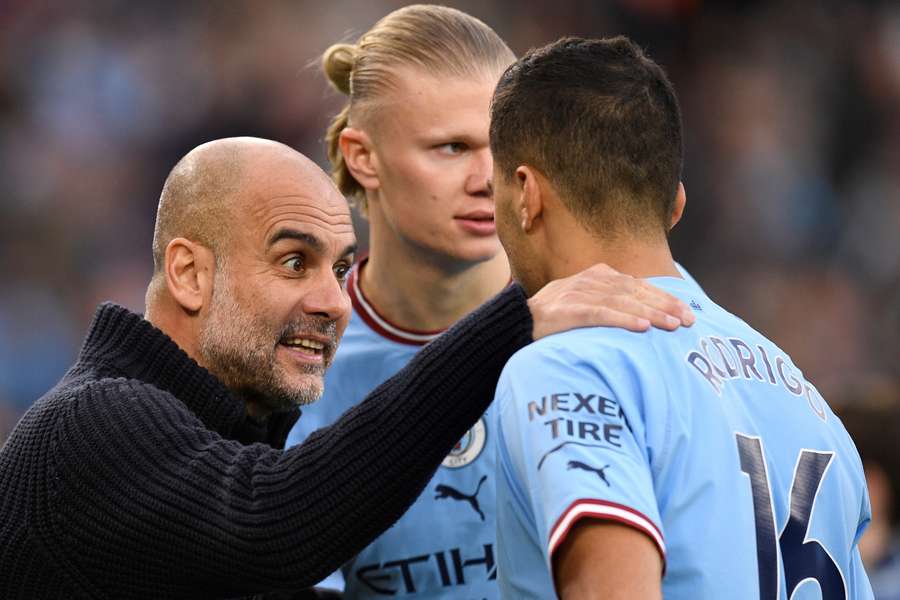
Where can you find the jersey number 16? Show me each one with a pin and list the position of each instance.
(803, 559)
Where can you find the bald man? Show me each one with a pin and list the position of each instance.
(156, 469)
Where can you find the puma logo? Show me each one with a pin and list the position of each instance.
(575, 464)
(445, 491)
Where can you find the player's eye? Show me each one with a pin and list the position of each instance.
(295, 263)
(453, 148)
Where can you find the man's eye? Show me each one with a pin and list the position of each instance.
(341, 271)
(453, 148)
(294, 264)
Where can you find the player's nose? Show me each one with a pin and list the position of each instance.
(478, 182)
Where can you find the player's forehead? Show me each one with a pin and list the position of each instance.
(438, 103)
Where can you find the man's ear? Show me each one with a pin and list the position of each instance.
(531, 197)
(359, 156)
(190, 271)
(678, 208)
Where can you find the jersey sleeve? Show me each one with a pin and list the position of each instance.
(573, 444)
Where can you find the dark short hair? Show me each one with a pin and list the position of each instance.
(601, 121)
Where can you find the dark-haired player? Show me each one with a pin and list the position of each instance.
(690, 464)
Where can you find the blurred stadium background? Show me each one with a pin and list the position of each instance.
(792, 153)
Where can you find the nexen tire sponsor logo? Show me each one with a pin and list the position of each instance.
(587, 404)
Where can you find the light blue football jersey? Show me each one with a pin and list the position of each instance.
(443, 547)
(708, 439)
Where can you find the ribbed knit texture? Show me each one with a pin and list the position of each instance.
(138, 475)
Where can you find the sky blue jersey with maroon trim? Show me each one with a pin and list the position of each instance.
(708, 440)
(443, 547)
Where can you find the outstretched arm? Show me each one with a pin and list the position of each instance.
(192, 511)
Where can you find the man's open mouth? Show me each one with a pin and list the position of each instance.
(305, 345)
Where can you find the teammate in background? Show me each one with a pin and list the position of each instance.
(412, 148)
(691, 464)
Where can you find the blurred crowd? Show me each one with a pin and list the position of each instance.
(792, 153)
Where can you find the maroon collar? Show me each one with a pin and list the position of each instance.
(376, 321)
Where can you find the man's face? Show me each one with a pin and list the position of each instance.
(279, 306)
(431, 144)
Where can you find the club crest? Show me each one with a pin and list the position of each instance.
(468, 448)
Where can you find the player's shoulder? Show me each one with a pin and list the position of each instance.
(587, 349)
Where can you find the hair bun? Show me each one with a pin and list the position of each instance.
(337, 62)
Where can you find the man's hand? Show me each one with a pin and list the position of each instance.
(602, 297)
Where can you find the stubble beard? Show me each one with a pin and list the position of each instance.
(239, 348)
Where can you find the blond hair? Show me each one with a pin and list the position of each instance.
(436, 39)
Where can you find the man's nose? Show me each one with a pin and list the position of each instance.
(326, 297)
(478, 183)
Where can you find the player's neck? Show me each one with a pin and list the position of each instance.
(416, 291)
(636, 256)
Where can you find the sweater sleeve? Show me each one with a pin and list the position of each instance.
(169, 508)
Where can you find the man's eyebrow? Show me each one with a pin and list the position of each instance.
(309, 239)
(292, 234)
(351, 249)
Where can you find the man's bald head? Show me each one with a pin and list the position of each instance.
(198, 196)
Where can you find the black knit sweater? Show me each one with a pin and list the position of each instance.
(141, 476)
